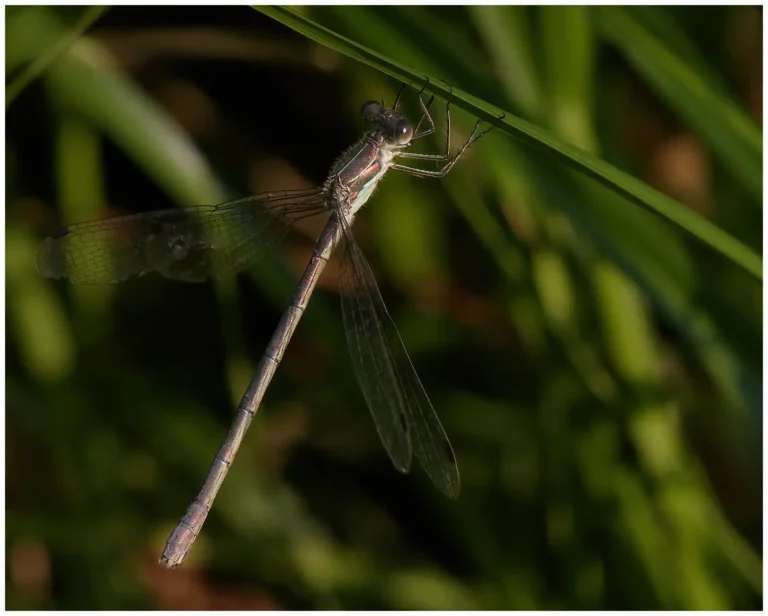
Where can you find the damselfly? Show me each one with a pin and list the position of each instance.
(197, 243)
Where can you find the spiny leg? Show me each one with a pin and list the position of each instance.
(397, 98)
(473, 138)
(447, 153)
(424, 114)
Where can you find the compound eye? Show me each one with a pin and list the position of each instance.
(403, 132)
(371, 111)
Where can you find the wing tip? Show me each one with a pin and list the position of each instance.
(47, 264)
(452, 486)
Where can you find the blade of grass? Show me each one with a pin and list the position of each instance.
(506, 34)
(659, 21)
(81, 81)
(38, 66)
(84, 80)
(568, 34)
(607, 174)
(729, 132)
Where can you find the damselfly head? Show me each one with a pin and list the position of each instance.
(392, 125)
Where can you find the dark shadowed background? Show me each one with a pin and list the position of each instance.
(597, 370)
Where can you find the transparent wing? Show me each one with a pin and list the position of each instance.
(401, 410)
(189, 244)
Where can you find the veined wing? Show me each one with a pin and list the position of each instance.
(404, 416)
(189, 244)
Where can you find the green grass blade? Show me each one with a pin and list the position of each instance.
(506, 32)
(732, 136)
(623, 183)
(38, 66)
(81, 81)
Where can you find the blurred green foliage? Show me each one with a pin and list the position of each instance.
(598, 371)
